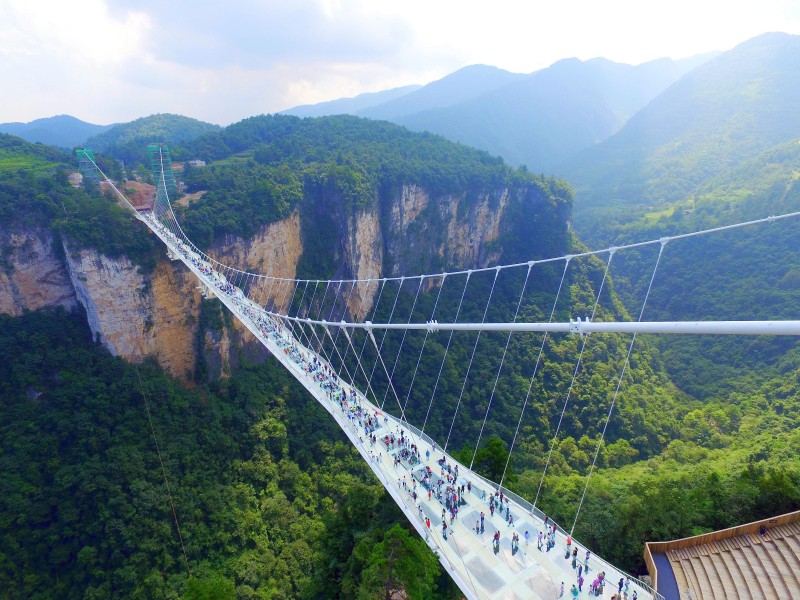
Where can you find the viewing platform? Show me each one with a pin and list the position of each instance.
(750, 562)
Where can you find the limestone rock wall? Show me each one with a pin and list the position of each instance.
(136, 315)
(32, 274)
(275, 250)
(428, 234)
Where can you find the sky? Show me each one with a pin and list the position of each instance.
(108, 61)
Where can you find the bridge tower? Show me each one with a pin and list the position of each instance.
(161, 167)
(86, 164)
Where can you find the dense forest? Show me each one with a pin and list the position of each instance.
(272, 501)
(34, 192)
(127, 142)
(262, 167)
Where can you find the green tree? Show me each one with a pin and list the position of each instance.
(398, 563)
(490, 461)
(213, 587)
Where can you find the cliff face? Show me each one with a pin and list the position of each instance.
(410, 230)
(274, 250)
(452, 231)
(32, 274)
(137, 315)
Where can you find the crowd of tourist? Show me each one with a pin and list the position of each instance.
(371, 425)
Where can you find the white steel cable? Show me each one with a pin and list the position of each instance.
(422, 349)
(533, 376)
(616, 391)
(446, 349)
(572, 383)
(500, 367)
(471, 358)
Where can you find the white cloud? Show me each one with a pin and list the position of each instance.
(84, 32)
(112, 60)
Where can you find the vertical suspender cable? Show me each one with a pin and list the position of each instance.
(471, 358)
(502, 362)
(619, 384)
(403, 340)
(533, 376)
(424, 341)
(574, 376)
(444, 356)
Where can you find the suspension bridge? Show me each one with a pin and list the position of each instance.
(493, 543)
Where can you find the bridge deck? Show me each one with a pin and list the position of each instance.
(481, 569)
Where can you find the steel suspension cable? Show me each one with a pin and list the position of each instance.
(333, 342)
(346, 308)
(422, 349)
(446, 349)
(383, 339)
(574, 377)
(403, 340)
(471, 358)
(309, 343)
(502, 362)
(616, 391)
(533, 375)
(380, 358)
(163, 472)
(374, 312)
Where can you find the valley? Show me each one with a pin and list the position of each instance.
(273, 500)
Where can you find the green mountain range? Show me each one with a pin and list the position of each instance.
(716, 117)
(128, 141)
(704, 435)
(537, 119)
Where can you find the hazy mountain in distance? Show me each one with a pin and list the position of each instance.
(553, 113)
(350, 106)
(63, 131)
(464, 84)
(537, 119)
(717, 116)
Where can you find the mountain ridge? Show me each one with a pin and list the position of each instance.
(62, 131)
(720, 114)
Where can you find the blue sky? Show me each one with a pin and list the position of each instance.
(106, 61)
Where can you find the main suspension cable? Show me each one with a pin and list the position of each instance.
(574, 377)
(616, 391)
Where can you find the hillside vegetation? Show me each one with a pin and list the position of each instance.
(266, 165)
(128, 141)
(272, 500)
(720, 115)
(34, 192)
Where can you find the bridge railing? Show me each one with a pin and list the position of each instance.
(524, 504)
(491, 486)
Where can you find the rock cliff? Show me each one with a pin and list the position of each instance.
(32, 274)
(157, 313)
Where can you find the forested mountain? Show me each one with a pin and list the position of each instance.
(549, 115)
(349, 106)
(273, 504)
(63, 131)
(462, 85)
(537, 119)
(714, 118)
(272, 500)
(128, 141)
(718, 147)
